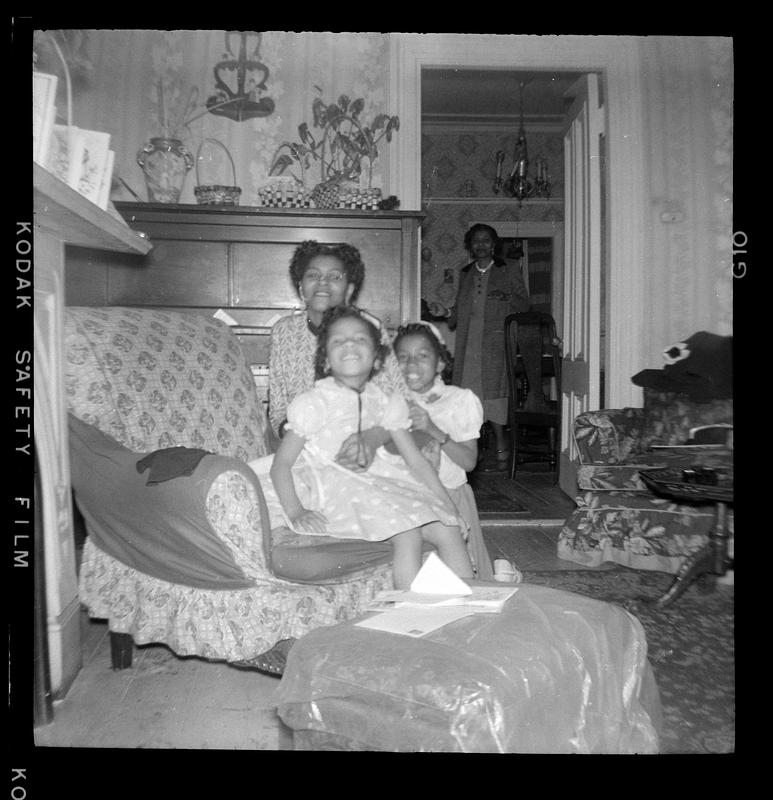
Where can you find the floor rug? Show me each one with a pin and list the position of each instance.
(691, 648)
(493, 504)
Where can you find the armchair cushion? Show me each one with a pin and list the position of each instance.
(669, 416)
(609, 435)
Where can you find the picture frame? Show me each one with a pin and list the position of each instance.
(65, 155)
(94, 157)
(107, 180)
(44, 88)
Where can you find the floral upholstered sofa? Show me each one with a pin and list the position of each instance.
(618, 518)
(139, 381)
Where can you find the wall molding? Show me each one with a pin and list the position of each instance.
(617, 59)
(463, 123)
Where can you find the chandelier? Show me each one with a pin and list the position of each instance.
(518, 184)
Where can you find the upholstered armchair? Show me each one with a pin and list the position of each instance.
(617, 517)
(213, 580)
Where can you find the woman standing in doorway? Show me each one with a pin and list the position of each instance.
(489, 290)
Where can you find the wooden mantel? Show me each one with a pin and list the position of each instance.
(61, 217)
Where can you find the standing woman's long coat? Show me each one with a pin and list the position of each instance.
(506, 294)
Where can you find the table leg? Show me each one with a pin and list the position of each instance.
(711, 558)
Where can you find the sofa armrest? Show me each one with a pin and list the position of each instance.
(237, 512)
(609, 435)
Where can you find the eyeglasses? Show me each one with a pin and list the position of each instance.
(334, 276)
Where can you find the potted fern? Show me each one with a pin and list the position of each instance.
(346, 147)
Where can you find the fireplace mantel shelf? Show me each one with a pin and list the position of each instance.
(71, 218)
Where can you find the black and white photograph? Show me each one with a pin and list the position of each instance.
(373, 392)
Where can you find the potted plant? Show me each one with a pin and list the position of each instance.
(346, 146)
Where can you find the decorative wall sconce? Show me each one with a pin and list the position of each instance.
(240, 82)
(518, 184)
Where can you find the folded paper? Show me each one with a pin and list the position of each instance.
(435, 577)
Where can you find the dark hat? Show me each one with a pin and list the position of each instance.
(700, 367)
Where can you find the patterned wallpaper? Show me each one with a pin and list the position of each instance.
(120, 95)
(462, 165)
(688, 94)
(688, 116)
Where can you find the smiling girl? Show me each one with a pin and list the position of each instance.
(401, 500)
(452, 416)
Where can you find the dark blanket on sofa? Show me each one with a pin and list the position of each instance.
(160, 529)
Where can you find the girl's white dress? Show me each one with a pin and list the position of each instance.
(459, 413)
(373, 505)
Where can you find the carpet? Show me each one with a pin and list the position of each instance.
(492, 503)
(691, 648)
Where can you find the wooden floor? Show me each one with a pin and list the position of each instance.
(185, 703)
(163, 701)
(537, 491)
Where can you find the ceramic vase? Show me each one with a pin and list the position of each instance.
(165, 163)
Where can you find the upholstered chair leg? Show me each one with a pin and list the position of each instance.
(121, 647)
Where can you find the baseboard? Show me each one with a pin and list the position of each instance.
(517, 522)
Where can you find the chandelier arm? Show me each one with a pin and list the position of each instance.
(517, 183)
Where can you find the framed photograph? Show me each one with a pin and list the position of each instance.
(96, 146)
(65, 154)
(43, 113)
(107, 181)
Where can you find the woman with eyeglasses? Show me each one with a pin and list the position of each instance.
(325, 276)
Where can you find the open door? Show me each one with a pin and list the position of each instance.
(581, 364)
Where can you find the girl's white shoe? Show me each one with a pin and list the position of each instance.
(506, 572)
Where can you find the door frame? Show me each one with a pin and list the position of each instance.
(539, 230)
(617, 59)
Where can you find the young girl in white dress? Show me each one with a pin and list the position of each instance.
(452, 416)
(402, 500)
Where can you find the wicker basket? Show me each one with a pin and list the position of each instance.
(325, 194)
(283, 192)
(216, 194)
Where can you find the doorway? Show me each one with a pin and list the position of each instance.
(557, 97)
(616, 59)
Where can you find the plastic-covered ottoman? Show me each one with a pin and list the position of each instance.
(553, 672)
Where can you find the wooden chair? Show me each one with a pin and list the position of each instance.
(534, 379)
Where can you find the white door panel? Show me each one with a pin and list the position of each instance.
(580, 374)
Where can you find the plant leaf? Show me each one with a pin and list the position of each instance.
(319, 112)
(380, 121)
(356, 107)
(281, 163)
(306, 135)
(343, 101)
